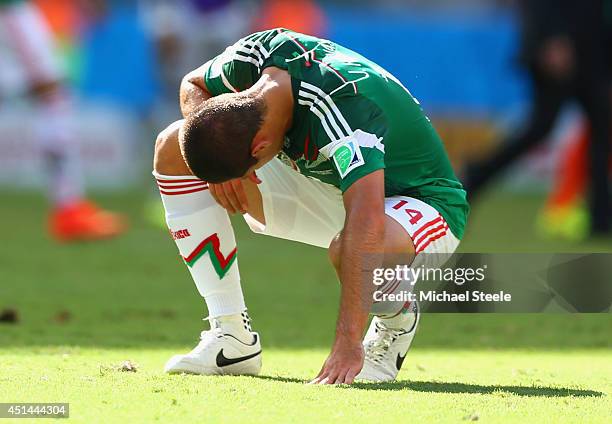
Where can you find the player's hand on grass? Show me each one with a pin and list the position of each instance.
(342, 365)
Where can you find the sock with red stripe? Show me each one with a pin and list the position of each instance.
(205, 238)
(394, 313)
(404, 319)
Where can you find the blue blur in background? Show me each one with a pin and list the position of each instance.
(119, 61)
(457, 62)
(454, 62)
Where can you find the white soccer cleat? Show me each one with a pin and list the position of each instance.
(385, 349)
(218, 354)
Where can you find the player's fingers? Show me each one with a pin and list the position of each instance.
(341, 377)
(242, 199)
(350, 376)
(323, 370)
(231, 196)
(223, 201)
(320, 380)
(318, 377)
(213, 192)
(330, 378)
(254, 178)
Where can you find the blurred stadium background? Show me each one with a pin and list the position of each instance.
(125, 60)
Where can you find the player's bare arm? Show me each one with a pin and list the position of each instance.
(361, 239)
(193, 91)
(168, 159)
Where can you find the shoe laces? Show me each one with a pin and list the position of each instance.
(377, 348)
(206, 337)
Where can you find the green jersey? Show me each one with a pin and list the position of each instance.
(351, 117)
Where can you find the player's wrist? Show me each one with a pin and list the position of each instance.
(348, 337)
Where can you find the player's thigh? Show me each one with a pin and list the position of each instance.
(415, 234)
(432, 240)
(397, 246)
(295, 207)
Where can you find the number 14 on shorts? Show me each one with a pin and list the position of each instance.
(415, 215)
(424, 224)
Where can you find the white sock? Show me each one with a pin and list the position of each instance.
(205, 239)
(396, 314)
(404, 319)
(60, 150)
(238, 325)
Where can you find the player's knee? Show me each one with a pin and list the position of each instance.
(398, 244)
(334, 251)
(167, 159)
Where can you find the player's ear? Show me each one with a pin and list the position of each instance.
(259, 147)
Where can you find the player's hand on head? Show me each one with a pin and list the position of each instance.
(342, 365)
(230, 195)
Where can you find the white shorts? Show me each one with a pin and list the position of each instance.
(309, 211)
(32, 54)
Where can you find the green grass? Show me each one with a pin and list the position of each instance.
(84, 309)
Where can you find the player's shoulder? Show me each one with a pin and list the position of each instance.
(260, 36)
(332, 69)
(321, 67)
(275, 46)
(271, 38)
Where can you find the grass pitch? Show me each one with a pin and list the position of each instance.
(86, 309)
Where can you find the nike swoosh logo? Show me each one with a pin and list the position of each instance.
(222, 361)
(400, 361)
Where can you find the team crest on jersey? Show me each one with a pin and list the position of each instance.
(347, 156)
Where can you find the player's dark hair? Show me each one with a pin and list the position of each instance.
(217, 138)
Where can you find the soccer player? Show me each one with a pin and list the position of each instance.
(310, 142)
(73, 218)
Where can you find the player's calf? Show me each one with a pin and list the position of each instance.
(393, 327)
(416, 234)
(205, 239)
(397, 249)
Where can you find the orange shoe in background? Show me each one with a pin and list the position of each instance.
(83, 220)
